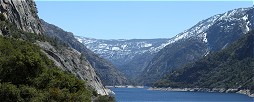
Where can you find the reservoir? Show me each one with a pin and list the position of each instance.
(144, 95)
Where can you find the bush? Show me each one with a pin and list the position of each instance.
(9, 93)
(26, 74)
(33, 77)
(62, 86)
(105, 99)
(20, 62)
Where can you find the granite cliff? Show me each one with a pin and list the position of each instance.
(23, 15)
(105, 70)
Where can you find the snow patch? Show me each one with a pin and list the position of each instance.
(247, 27)
(207, 53)
(80, 40)
(205, 38)
(115, 48)
(245, 17)
(102, 45)
(146, 45)
(123, 46)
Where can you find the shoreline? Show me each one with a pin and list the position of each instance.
(124, 86)
(221, 90)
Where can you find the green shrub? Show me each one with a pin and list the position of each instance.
(33, 77)
(20, 62)
(105, 99)
(26, 74)
(62, 86)
(9, 93)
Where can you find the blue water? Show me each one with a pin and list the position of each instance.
(143, 95)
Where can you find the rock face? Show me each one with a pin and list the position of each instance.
(23, 13)
(129, 56)
(209, 35)
(69, 59)
(106, 71)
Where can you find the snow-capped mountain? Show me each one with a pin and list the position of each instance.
(209, 35)
(125, 53)
(226, 22)
(156, 57)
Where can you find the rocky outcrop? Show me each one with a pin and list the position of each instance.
(22, 13)
(246, 92)
(105, 70)
(69, 59)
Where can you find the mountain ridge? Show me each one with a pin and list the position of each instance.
(128, 55)
(210, 35)
(230, 68)
(105, 70)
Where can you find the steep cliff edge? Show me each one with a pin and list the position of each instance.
(22, 13)
(69, 59)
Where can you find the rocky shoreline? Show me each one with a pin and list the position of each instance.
(222, 90)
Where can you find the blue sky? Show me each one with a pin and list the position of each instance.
(130, 19)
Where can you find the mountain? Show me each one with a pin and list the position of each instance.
(35, 67)
(209, 35)
(105, 70)
(129, 56)
(230, 68)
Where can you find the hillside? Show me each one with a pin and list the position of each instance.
(207, 36)
(27, 74)
(230, 68)
(33, 66)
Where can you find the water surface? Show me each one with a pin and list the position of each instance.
(143, 95)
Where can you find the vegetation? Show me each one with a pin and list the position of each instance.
(26, 74)
(232, 67)
(105, 99)
(171, 58)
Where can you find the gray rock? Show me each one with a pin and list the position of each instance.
(69, 59)
(23, 13)
(105, 70)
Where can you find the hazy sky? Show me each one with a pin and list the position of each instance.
(130, 19)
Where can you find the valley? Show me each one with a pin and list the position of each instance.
(144, 61)
(129, 56)
(43, 62)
